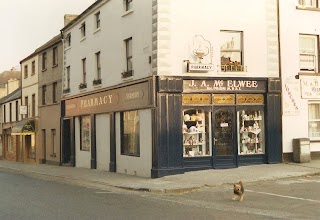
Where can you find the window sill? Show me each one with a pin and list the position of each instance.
(67, 48)
(54, 65)
(82, 39)
(43, 70)
(308, 74)
(67, 90)
(300, 7)
(127, 13)
(97, 30)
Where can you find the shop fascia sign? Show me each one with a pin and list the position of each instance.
(201, 55)
(310, 88)
(224, 85)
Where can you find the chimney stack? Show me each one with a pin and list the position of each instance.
(68, 18)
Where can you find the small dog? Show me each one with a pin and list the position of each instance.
(238, 191)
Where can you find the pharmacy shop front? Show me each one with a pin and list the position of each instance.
(226, 123)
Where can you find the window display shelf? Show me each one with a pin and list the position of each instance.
(251, 129)
(194, 129)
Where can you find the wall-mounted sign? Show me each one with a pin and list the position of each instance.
(201, 55)
(310, 88)
(224, 85)
(291, 97)
(23, 109)
(196, 99)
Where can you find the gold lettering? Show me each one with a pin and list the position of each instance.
(100, 101)
(110, 98)
(105, 99)
(81, 103)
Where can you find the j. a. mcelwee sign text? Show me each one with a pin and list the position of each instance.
(224, 85)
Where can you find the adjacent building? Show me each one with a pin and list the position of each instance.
(27, 128)
(11, 143)
(49, 90)
(165, 92)
(299, 40)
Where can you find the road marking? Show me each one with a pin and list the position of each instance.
(289, 197)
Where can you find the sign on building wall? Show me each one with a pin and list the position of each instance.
(291, 95)
(310, 88)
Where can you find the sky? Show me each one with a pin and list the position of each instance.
(28, 24)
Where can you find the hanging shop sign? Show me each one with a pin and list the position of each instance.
(200, 55)
(224, 85)
(310, 88)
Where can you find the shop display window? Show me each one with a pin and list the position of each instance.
(196, 129)
(251, 132)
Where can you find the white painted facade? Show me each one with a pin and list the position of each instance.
(293, 22)
(115, 27)
(14, 107)
(103, 141)
(30, 84)
(180, 21)
(83, 158)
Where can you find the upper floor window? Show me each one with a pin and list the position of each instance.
(54, 92)
(44, 61)
(10, 112)
(55, 56)
(83, 84)
(314, 120)
(129, 69)
(26, 71)
(308, 3)
(4, 114)
(68, 77)
(83, 29)
(26, 103)
(231, 51)
(308, 47)
(17, 110)
(128, 5)
(98, 65)
(33, 69)
(44, 93)
(68, 40)
(33, 105)
(97, 20)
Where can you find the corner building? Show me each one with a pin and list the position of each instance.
(150, 90)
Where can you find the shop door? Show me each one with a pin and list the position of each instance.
(224, 141)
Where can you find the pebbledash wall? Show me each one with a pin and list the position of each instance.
(167, 84)
(300, 88)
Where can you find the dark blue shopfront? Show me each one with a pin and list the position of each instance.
(205, 123)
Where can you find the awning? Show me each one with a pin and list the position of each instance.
(25, 127)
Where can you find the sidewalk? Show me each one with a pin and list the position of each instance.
(175, 183)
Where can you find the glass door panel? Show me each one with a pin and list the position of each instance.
(224, 132)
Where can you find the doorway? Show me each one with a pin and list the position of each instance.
(66, 142)
(224, 137)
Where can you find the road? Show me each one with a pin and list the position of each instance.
(23, 197)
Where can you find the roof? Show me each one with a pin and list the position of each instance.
(54, 40)
(81, 15)
(16, 94)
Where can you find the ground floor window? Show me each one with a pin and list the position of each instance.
(10, 144)
(251, 132)
(130, 133)
(85, 133)
(314, 120)
(196, 129)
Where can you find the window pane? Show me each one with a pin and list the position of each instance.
(307, 44)
(85, 127)
(314, 120)
(251, 132)
(130, 134)
(231, 40)
(230, 57)
(196, 129)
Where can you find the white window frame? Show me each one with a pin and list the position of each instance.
(98, 65)
(316, 121)
(97, 20)
(308, 3)
(83, 30)
(305, 52)
(128, 5)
